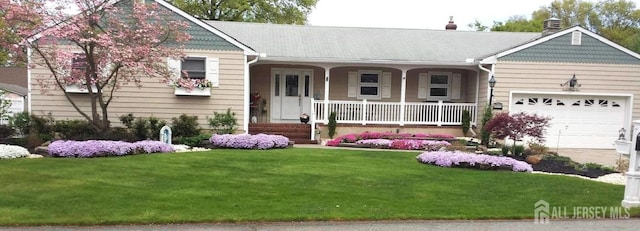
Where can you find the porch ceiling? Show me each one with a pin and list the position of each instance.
(370, 45)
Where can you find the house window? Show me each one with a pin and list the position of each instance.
(79, 65)
(439, 86)
(194, 68)
(369, 84)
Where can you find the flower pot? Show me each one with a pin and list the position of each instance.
(623, 147)
(195, 92)
(304, 120)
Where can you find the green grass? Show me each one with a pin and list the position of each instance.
(274, 185)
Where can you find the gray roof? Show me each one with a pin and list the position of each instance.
(370, 45)
(22, 91)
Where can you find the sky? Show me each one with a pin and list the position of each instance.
(419, 14)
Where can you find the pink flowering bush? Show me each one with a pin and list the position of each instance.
(247, 141)
(99, 148)
(470, 160)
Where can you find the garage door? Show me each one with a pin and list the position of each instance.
(578, 121)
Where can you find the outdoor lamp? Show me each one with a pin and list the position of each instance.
(573, 82)
(492, 81)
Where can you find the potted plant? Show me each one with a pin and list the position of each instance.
(188, 86)
(304, 118)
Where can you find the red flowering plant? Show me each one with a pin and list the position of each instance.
(255, 96)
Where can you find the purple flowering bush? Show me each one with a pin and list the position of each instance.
(98, 148)
(247, 141)
(470, 160)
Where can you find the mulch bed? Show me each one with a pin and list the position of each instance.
(564, 167)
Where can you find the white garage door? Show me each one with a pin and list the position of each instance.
(578, 121)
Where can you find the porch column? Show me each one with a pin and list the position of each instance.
(403, 96)
(327, 71)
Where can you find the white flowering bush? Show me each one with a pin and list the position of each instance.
(12, 151)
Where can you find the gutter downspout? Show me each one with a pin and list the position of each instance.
(28, 80)
(247, 83)
(489, 72)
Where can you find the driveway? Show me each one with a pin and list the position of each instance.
(607, 157)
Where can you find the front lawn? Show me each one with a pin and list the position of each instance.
(275, 185)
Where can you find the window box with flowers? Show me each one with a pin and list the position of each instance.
(193, 87)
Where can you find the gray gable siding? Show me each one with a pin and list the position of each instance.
(560, 50)
(201, 38)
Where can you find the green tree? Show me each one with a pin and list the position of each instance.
(265, 11)
(518, 23)
(616, 20)
(477, 26)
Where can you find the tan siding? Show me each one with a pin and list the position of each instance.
(594, 78)
(155, 98)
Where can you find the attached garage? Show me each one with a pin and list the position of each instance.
(578, 120)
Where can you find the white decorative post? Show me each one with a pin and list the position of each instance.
(632, 188)
(165, 135)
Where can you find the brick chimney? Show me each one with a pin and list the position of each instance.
(550, 26)
(451, 25)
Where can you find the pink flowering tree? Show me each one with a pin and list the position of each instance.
(518, 126)
(97, 45)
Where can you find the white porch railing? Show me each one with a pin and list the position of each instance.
(366, 112)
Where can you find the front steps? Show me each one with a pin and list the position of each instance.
(298, 133)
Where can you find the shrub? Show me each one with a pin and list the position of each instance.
(143, 128)
(224, 123)
(247, 141)
(194, 141)
(6, 131)
(469, 160)
(185, 125)
(98, 148)
(155, 125)
(127, 120)
(537, 148)
(466, 122)
(331, 126)
(485, 135)
(21, 121)
(75, 130)
(12, 151)
(42, 126)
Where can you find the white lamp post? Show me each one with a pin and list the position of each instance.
(632, 188)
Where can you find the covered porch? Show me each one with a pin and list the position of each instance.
(365, 94)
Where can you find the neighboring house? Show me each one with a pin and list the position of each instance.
(410, 80)
(13, 81)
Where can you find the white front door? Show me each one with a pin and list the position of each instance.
(291, 93)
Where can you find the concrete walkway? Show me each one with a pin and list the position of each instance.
(512, 225)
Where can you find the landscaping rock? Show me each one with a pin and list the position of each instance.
(42, 150)
(34, 156)
(46, 144)
(534, 159)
